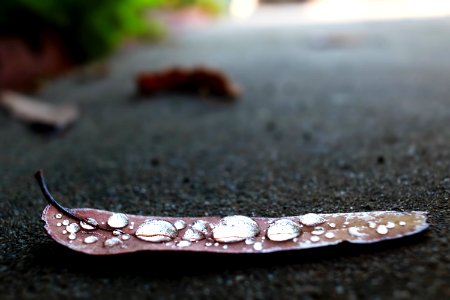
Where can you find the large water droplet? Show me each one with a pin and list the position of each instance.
(258, 246)
(390, 225)
(201, 226)
(329, 235)
(156, 231)
(402, 223)
(318, 231)
(193, 235)
(90, 239)
(314, 238)
(283, 230)
(234, 229)
(179, 224)
(73, 228)
(112, 242)
(89, 224)
(311, 219)
(118, 220)
(382, 229)
(66, 222)
(58, 216)
(183, 244)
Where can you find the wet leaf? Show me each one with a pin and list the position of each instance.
(41, 116)
(201, 81)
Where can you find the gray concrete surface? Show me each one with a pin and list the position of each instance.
(333, 119)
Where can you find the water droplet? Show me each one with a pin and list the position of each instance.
(402, 223)
(112, 242)
(66, 222)
(216, 244)
(72, 236)
(117, 232)
(258, 246)
(118, 220)
(318, 231)
(372, 225)
(132, 225)
(180, 224)
(346, 223)
(88, 224)
(156, 231)
(193, 235)
(126, 237)
(390, 225)
(314, 238)
(90, 239)
(208, 244)
(225, 247)
(64, 232)
(183, 244)
(332, 225)
(354, 231)
(329, 235)
(382, 229)
(201, 226)
(295, 240)
(234, 229)
(58, 216)
(73, 228)
(283, 230)
(311, 219)
(59, 224)
(250, 241)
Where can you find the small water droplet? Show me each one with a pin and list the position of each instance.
(58, 216)
(126, 237)
(72, 236)
(112, 242)
(295, 240)
(201, 226)
(390, 225)
(234, 229)
(402, 223)
(332, 225)
(216, 244)
(225, 247)
(208, 244)
(193, 235)
(59, 224)
(118, 220)
(73, 228)
(132, 225)
(346, 223)
(117, 232)
(283, 230)
(88, 224)
(382, 229)
(250, 241)
(66, 222)
(64, 232)
(90, 239)
(372, 225)
(318, 231)
(179, 224)
(258, 246)
(314, 238)
(354, 231)
(311, 219)
(329, 235)
(183, 244)
(156, 231)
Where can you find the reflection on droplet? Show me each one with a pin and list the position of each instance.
(126, 237)
(90, 239)
(283, 230)
(88, 224)
(58, 216)
(402, 223)
(234, 229)
(179, 224)
(73, 228)
(390, 225)
(112, 242)
(318, 231)
(329, 235)
(156, 231)
(118, 220)
(72, 236)
(183, 244)
(258, 246)
(193, 235)
(311, 219)
(314, 238)
(382, 229)
(66, 222)
(201, 226)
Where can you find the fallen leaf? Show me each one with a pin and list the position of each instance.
(202, 81)
(100, 232)
(41, 116)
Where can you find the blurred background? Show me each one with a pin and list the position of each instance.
(40, 39)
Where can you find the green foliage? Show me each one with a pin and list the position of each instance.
(92, 28)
